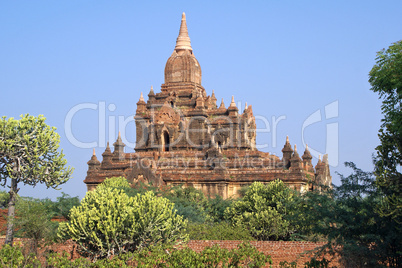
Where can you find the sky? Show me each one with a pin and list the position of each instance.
(302, 65)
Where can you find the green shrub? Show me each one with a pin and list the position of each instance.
(57, 260)
(263, 211)
(13, 257)
(33, 221)
(115, 182)
(109, 222)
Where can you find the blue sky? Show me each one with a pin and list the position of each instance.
(288, 59)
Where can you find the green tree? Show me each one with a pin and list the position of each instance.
(190, 203)
(109, 222)
(64, 204)
(263, 210)
(29, 154)
(386, 79)
(346, 215)
(33, 221)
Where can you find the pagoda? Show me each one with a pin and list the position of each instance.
(184, 138)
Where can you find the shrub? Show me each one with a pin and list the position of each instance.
(263, 211)
(109, 222)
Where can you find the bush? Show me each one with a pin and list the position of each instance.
(33, 221)
(13, 257)
(263, 211)
(109, 222)
(244, 255)
(115, 182)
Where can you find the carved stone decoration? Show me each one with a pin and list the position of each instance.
(143, 172)
(167, 115)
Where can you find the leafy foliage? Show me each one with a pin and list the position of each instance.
(190, 203)
(62, 206)
(33, 221)
(109, 222)
(244, 255)
(115, 182)
(347, 216)
(28, 152)
(263, 210)
(13, 257)
(4, 199)
(386, 80)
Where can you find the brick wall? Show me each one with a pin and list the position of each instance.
(278, 250)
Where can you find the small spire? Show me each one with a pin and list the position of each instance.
(325, 158)
(118, 141)
(151, 92)
(222, 104)
(142, 98)
(93, 162)
(183, 40)
(295, 149)
(213, 94)
(307, 156)
(233, 104)
(245, 108)
(107, 150)
(287, 139)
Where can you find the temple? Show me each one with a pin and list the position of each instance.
(184, 138)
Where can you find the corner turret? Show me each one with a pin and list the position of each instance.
(287, 153)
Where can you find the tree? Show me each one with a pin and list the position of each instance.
(34, 222)
(189, 202)
(109, 222)
(28, 154)
(64, 204)
(346, 215)
(386, 79)
(263, 210)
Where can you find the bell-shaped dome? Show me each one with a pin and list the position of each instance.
(182, 66)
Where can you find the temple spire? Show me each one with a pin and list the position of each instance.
(141, 99)
(222, 104)
(232, 103)
(183, 40)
